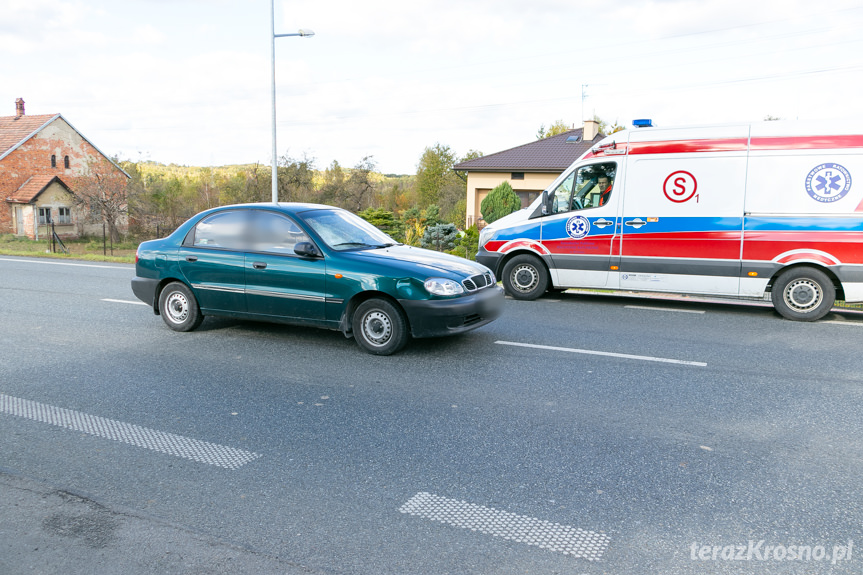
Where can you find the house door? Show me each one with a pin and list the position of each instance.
(19, 220)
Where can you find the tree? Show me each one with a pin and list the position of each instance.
(499, 202)
(605, 127)
(440, 237)
(102, 190)
(247, 185)
(557, 127)
(434, 173)
(471, 155)
(414, 224)
(382, 219)
(360, 190)
(334, 181)
(296, 179)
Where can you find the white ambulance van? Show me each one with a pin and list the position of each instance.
(752, 211)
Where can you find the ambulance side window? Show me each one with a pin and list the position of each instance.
(588, 187)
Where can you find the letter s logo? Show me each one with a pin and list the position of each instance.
(680, 186)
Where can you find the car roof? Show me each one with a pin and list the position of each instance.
(286, 207)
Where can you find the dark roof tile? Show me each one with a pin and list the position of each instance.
(552, 154)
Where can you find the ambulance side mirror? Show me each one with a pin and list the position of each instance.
(541, 209)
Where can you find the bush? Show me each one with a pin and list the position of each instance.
(440, 237)
(467, 243)
(500, 202)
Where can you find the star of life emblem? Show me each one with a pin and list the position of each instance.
(828, 183)
(577, 227)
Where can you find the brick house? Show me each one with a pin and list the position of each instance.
(529, 168)
(43, 159)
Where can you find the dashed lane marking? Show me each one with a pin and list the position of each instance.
(186, 447)
(605, 353)
(124, 301)
(837, 322)
(678, 310)
(564, 539)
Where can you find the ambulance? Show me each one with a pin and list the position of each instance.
(761, 211)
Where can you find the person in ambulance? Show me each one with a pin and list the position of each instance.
(590, 188)
(604, 183)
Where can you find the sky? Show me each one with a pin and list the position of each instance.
(189, 81)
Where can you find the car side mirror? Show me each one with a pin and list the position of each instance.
(307, 250)
(546, 208)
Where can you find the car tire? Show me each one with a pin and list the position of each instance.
(803, 294)
(179, 308)
(525, 277)
(380, 327)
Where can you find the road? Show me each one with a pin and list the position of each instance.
(579, 434)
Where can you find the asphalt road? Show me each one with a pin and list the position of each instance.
(580, 434)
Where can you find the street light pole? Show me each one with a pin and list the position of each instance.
(273, 36)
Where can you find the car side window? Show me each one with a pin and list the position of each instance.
(226, 230)
(277, 234)
(588, 187)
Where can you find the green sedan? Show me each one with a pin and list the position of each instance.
(311, 265)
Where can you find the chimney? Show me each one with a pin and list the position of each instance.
(19, 107)
(591, 129)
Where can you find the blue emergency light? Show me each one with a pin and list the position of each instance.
(644, 123)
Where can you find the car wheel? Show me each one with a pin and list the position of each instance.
(525, 277)
(803, 294)
(380, 327)
(178, 307)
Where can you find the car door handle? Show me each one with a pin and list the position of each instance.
(191, 259)
(603, 223)
(259, 265)
(636, 223)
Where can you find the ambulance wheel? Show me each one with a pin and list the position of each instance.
(525, 277)
(803, 294)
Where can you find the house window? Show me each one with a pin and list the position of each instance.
(66, 162)
(44, 216)
(527, 198)
(53, 161)
(64, 216)
(517, 176)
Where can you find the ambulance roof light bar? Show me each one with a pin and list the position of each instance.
(643, 123)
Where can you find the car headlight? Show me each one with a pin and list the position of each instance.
(442, 286)
(485, 235)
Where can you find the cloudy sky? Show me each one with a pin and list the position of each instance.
(188, 81)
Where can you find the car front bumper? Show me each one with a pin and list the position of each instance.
(437, 317)
(491, 260)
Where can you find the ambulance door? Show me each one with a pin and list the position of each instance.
(579, 233)
(682, 216)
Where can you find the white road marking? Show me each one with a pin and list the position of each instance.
(178, 445)
(54, 263)
(678, 310)
(605, 353)
(838, 322)
(573, 541)
(124, 301)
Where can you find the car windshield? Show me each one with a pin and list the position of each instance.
(342, 230)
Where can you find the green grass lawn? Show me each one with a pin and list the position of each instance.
(84, 249)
